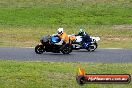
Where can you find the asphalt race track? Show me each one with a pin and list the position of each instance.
(100, 55)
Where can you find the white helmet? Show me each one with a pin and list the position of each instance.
(60, 30)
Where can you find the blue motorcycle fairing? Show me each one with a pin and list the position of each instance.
(55, 39)
(85, 45)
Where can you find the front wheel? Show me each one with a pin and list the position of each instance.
(92, 47)
(66, 49)
(39, 49)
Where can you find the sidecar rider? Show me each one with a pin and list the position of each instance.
(64, 37)
(85, 36)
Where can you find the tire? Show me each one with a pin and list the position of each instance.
(89, 48)
(39, 49)
(81, 80)
(66, 49)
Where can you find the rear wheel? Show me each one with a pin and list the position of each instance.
(39, 49)
(66, 49)
(92, 47)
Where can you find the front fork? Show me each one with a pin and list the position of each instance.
(42, 45)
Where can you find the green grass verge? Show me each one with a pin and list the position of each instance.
(29, 37)
(27, 74)
(24, 22)
(65, 12)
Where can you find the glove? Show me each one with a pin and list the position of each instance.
(58, 43)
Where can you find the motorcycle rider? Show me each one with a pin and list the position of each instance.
(85, 36)
(64, 37)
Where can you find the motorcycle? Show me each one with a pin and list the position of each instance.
(79, 44)
(47, 44)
